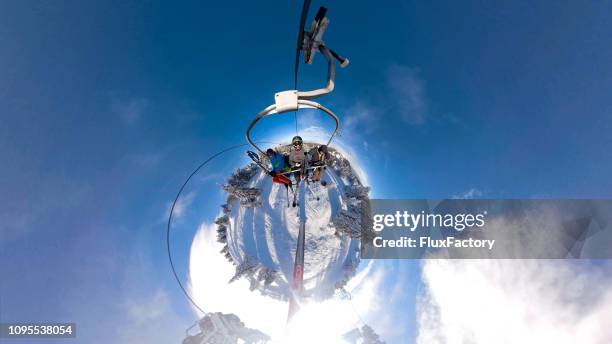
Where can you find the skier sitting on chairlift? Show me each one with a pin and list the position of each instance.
(297, 158)
(279, 166)
(317, 158)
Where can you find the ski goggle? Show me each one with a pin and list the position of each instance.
(297, 143)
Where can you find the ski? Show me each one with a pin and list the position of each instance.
(295, 194)
(256, 159)
(314, 195)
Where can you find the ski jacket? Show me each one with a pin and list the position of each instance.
(316, 157)
(278, 163)
(297, 157)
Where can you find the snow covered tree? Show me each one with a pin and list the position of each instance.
(344, 168)
(253, 284)
(222, 220)
(216, 328)
(242, 176)
(222, 234)
(348, 221)
(227, 254)
(222, 224)
(226, 208)
(341, 284)
(247, 267)
(357, 191)
(369, 336)
(249, 197)
(267, 276)
(350, 268)
(365, 335)
(237, 187)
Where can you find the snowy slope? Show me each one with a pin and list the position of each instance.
(261, 234)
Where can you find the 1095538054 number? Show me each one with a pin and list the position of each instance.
(37, 330)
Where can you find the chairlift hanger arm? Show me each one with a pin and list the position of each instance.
(331, 76)
(313, 42)
(292, 100)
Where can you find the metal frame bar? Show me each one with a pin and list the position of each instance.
(302, 104)
(299, 169)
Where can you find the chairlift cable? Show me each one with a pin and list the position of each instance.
(169, 225)
(298, 49)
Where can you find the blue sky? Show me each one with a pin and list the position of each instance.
(106, 107)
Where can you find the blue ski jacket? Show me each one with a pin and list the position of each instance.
(278, 163)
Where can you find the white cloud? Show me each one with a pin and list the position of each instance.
(147, 161)
(148, 310)
(409, 96)
(469, 194)
(150, 319)
(131, 110)
(209, 273)
(28, 210)
(182, 203)
(515, 301)
(402, 97)
(125, 303)
(361, 116)
(403, 93)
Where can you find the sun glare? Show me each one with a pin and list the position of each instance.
(318, 323)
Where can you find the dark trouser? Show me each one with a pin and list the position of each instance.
(316, 174)
(298, 173)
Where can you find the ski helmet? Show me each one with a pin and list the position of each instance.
(270, 151)
(296, 140)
